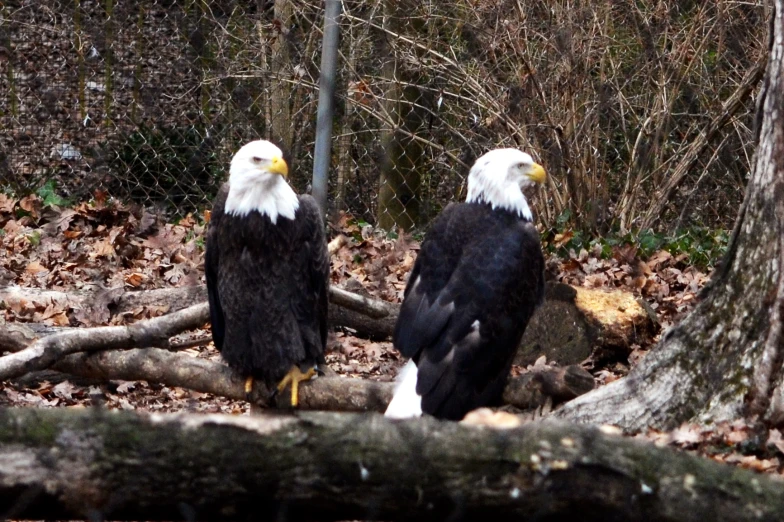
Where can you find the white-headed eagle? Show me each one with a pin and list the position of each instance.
(267, 270)
(475, 284)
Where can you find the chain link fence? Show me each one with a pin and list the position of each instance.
(148, 100)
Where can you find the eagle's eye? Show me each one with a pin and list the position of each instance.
(256, 159)
(520, 166)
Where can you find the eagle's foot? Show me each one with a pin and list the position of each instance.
(248, 389)
(295, 376)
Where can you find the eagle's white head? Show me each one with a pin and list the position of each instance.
(257, 181)
(498, 177)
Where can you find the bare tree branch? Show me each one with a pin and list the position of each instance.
(701, 143)
(119, 300)
(152, 332)
(374, 308)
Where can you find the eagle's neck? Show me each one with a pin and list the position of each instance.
(509, 196)
(275, 198)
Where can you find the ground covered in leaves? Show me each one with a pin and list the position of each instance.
(107, 245)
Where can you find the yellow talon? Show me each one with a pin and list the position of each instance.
(295, 376)
(248, 387)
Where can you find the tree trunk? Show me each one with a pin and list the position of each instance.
(66, 464)
(402, 165)
(724, 361)
(281, 91)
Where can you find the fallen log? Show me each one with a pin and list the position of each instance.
(69, 464)
(45, 351)
(377, 329)
(106, 303)
(574, 323)
(567, 328)
(528, 391)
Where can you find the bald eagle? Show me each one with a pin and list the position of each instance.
(475, 284)
(267, 271)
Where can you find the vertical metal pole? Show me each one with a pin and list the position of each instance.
(326, 103)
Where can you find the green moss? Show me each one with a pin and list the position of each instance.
(34, 433)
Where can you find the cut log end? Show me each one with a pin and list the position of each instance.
(575, 323)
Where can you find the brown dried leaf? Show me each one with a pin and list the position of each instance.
(127, 386)
(686, 435)
(31, 204)
(59, 223)
(561, 239)
(775, 439)
(104, 248)
(6, 203)
(12, 227)
(135, 279)
(658, 259)
(175, 273)
(64, 390)
(35, 267)
(52, 315)
(59, 319)
(737, 436)
(167, 239)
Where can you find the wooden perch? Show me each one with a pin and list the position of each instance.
(202, 375)
(152, 332)
(79, 464)
(527, 391)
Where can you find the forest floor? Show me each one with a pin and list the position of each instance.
(105, 244)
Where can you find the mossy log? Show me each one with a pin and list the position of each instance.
(96, 464)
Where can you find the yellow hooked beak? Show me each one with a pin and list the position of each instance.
(537, 174)
(278, 166)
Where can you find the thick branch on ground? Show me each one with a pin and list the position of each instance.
(152, 332)
(114, 300)
(373, 308)
(68, 464)
(571, 323)
(326, 393)
(118, 301)
(178, 369)
(373, 328)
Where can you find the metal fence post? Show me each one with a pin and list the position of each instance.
(326, 103)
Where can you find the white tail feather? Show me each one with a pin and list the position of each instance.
(405, 403)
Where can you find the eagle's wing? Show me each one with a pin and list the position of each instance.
(211, 263)
(421, 320)
(313, 257)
